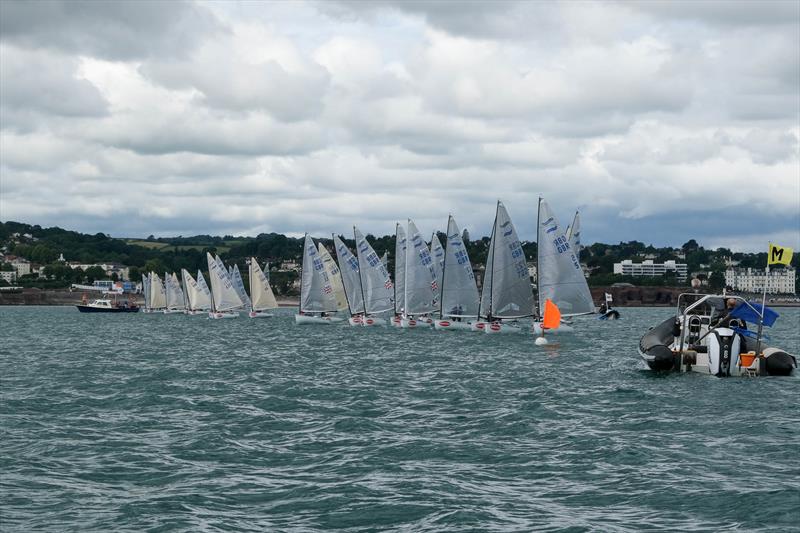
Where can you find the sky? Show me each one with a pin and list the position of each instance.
(659, 121)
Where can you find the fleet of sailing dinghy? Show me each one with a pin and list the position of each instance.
(318, 300)
(459, 299)
(377, 288)
(225, 300)
(559, 274)
(506, 295)
(262, 300)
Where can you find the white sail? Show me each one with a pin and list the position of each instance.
(335, 277)
(559, 274)
(174, 291)
(400, 270)
(510, 293)
(238, 284)
(376, 284)
(189, 289)
(437, 253)
(198, 298)
(385, 260)
(486, 289)
(146, 291)
(422, 286)
(158, 295)
(573, 235)
(224, 295)
(350, 276)
(260, 290)
(316, 291)
(203, 302)
(459, 292)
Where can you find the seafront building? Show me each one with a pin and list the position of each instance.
(650, 269)
(779, 281)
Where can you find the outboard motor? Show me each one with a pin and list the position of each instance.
(723, 351)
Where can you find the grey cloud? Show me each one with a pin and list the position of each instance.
(288, 96)
(738, 13)
(47, 84)
(254, 134)
(121, 30)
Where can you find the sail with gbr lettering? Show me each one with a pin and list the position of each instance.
(559, 274)
(376, 284)
(422, 286)
(459, 291)
(507, 285)
(351, 278)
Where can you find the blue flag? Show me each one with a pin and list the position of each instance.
(744, 312)
(750, 334)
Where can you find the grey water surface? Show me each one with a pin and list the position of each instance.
(175, 423)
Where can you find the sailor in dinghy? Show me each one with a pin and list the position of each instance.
(317, 298)
(560, 277)
(377, 288)
(421, 285)
(506, 295)
(262, 299)
(351, 281)
(225, 300)
(459, 297)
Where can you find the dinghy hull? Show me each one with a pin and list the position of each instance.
(259, 314)
(451, 325)
(216, 315)
(495, 328)
(308, 319)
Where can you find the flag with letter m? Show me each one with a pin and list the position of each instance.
(779, 255)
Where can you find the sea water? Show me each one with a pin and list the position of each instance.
(174, 423)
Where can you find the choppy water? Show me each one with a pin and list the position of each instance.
(174, 423)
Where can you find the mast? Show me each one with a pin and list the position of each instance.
(360, 272)
(394, 288)
(538, 248)
(405, 270)
(494, 255)
(444, 269)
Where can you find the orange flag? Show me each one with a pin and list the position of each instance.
(552, 316)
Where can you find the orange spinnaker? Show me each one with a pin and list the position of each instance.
(552, 316)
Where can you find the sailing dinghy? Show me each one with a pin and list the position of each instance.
(506, 295)
(158, 295)
(421, 283)
(225, 301)
(317, 298)
(399, 274)
(262, 298)
(146, 293)
(377, 288)
(198, 297)
(351, 281)
(559, 274)
(175, 301)
(460, 298)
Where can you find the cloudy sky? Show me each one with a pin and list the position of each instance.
(660, 121)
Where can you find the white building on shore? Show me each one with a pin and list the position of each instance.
(780, 281)
(650, 269)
